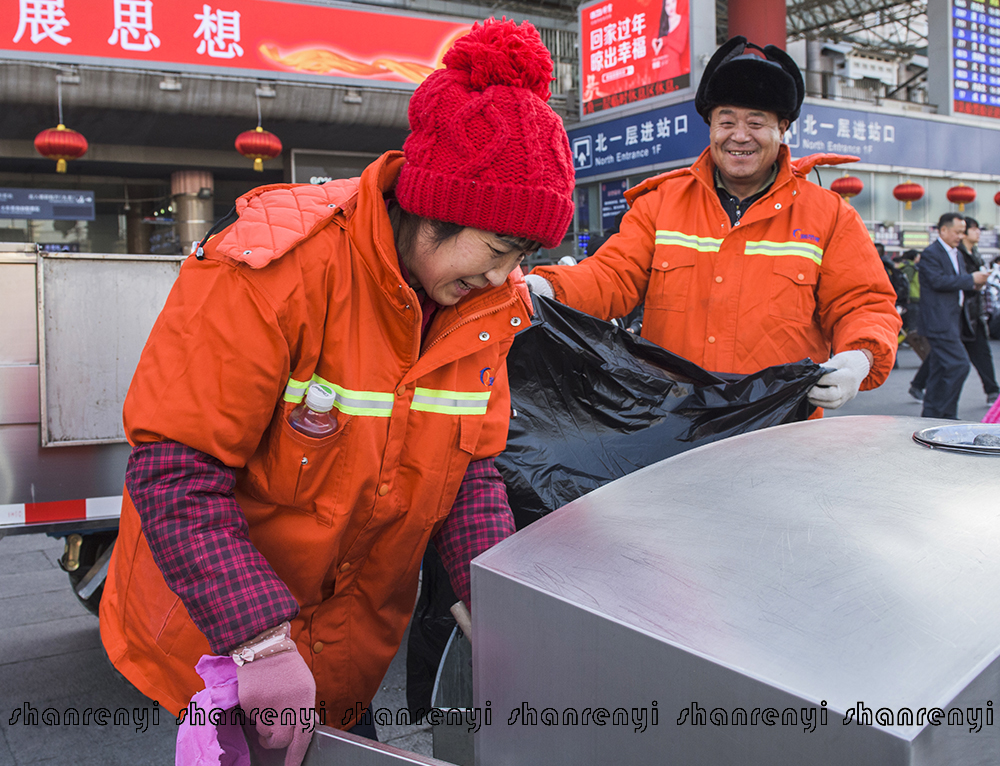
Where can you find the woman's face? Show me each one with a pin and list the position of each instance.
(449, 271)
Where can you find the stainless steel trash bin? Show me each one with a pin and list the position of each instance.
(825, 592)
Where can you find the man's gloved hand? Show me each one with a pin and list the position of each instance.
(272, 682)
(539, 286)
(838, 387)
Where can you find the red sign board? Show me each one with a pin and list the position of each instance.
(280, 38)
(632, 50)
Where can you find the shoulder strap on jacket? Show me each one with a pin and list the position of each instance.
(218, 226)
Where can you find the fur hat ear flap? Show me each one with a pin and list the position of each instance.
(735, 77)
(774, 53)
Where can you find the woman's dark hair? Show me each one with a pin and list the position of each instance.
(405, 226)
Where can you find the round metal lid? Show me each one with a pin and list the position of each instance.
(977, 438)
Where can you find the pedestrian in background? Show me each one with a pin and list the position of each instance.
(975, 333)
(911, 323)
(943, 280)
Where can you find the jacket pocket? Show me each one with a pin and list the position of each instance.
(469, 428)
(793, 288)
(306, 473)
(670, 280)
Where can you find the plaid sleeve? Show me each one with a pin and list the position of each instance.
(479, 519)
(199, 539)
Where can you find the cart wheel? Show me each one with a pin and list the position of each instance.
(92, 547)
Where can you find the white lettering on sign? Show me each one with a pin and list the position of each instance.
(45, 19)
(134, 19)
(219, 32)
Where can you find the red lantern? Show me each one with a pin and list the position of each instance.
(908, 193)
(961, 194)
(847, 186)
(258, 145)
(996, 198)
(60, 144)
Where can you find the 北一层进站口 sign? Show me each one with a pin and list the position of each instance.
(882, 138)
(656, 137)
(671, 134)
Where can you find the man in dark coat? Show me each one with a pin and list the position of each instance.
(943, 278)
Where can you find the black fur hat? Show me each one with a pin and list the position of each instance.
(735, 77)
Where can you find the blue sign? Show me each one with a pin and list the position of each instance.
(883, 138)
(677, 132)
(47, 204)
(659, 136)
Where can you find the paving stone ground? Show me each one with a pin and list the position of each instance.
(51, 661)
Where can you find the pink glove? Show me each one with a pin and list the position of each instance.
(272, 683)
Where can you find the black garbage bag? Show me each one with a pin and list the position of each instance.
(591, 403)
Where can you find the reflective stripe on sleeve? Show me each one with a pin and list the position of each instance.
(778, 249)
(700, 244)
(450, 402)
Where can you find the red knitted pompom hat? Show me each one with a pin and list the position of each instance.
(486, 150)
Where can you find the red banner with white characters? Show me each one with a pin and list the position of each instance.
(286, 39)
(631, 50)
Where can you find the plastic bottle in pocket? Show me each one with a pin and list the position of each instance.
(315, 416)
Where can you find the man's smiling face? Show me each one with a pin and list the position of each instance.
(744, 145)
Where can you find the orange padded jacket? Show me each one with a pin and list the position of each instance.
(797, 277)
(306, 287)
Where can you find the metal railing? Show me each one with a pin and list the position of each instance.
(836, 87)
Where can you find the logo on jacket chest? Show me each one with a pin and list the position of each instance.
(486, 376)
(799, 234)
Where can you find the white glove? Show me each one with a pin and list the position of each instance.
(540, 286)
(841, 384)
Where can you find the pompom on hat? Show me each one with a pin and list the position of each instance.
(485, 149)
(737, 77)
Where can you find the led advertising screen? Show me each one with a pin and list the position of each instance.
(975, 29)
(632, 50)
(280, 39)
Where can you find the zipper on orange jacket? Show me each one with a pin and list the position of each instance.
(474, 317)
